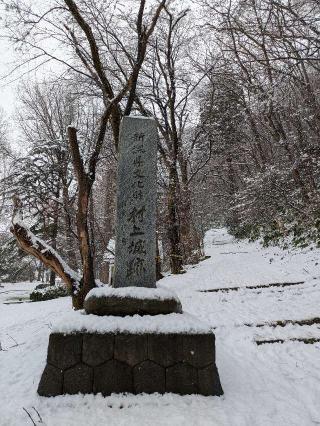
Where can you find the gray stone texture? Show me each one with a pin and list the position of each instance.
(165, 349)
(113, 377)
(123, 306)
(97, 348)
(78, 379)
(136, 363)
(198, 350)
(131, 348)
(182, 378)
(64, 351)
(149, 377)
(51, 381)
(208, 379)
(135, 256)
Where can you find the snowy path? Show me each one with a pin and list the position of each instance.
(271, 384)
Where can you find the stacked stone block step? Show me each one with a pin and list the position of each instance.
(133, 363)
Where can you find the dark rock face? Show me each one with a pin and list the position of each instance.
(182, 378)
(131, 348)
(97, 348)
(122, 306)
(64, 351)
(51, 381)
(136, 363)
(114, 376)
(78, 379)
(208, 380)
(166, 349)
(149, 377)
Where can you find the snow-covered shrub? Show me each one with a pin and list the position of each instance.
(47, 292)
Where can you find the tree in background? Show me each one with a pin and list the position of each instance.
(234, 93)
(80, 29)
(167, 92)
(272, 49)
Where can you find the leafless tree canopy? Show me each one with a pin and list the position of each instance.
(234, 88)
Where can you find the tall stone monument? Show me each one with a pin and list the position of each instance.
(135, 255)
(135, 337)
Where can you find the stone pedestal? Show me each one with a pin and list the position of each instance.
(119, 362)
(135, 337)
(126, 301)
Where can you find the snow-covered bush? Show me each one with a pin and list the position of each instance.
(47, 292)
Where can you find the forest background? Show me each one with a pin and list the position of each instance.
(234, 89)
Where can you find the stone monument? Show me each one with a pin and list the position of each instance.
(136, 204)
(135, 337)
(135, 252)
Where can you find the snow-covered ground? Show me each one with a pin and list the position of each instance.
(270, 384)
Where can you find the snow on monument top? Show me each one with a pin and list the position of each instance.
(133, 292)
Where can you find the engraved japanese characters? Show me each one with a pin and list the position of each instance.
(135, 256)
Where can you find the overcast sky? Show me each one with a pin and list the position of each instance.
(9, 59)
(7, 89)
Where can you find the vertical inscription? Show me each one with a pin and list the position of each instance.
(136, 218)
(136, 204)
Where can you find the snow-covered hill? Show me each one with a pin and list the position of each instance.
(274, 384)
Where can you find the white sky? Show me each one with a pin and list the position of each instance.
(10, 79)
(7, 89)
(9, 59)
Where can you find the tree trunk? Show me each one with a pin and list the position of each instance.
(85, 182)
(189, 236)
(33, 245)
(52, 279)
(54, 233)
(88, 281)
(70, 239)
(173, 224)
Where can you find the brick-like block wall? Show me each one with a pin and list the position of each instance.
(135, 363)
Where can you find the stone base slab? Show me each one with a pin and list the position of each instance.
(136, 363)
(128, 301)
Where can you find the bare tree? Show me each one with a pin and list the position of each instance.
(167, 92)
(78, 30)
(272, 50)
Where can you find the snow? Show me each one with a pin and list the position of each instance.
(58, 286)
(266, 385)
(37, 242)
(134, 292)
(14, 293)
(173, 323)
(109, 254)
